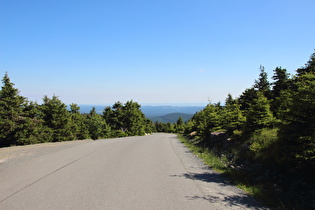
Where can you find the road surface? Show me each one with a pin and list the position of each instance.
(149, 172)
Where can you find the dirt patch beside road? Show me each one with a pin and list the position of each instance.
(20, 153)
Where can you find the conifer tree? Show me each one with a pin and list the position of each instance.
(229, 100)
(127, 119)
(207, 121)
(11, 112)
(280, 92)
(134, 121)
(262, 84)
(179, 125)
(33, 129)
(78, 127)
(231, 116)
(57, 117)
(116, 117)
(309, 67)
(150, 127)
(298, 129)
(246, 98)
(259, 115)
(107, 114)
(96, 125)
(281, 81)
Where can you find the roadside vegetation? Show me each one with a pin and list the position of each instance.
(25, 122)
(264, 140)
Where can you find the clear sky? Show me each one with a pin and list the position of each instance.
(151, 51)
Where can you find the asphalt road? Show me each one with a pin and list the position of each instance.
(150, 172)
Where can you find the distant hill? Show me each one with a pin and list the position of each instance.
(156, 111)
(152, 111)
(172, 117)
(87, 108)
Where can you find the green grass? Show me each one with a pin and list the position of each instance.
(209, 158)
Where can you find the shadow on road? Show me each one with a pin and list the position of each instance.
(206, 177)
(228, 199)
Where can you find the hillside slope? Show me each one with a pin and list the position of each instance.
(172, 118)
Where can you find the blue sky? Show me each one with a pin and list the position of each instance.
(159, 51)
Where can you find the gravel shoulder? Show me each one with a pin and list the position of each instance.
(216, 189)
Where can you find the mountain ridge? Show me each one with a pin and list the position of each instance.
(171, 118)
(149, 111)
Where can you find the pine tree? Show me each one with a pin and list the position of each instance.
(107, 114)
(127, 119)
(179, 125)
(298, 130)
(134, 121)
(207, 121)
(231, 116)
(247, 97)
(309, 67)
(229, 100)
(78, 127)
(262, 84)
(150, 127)
(281, 81)
(96, 125)
(57, 117)
(33, 130)
(281, 87)
(259, 115)
(116, 117)
(11, 112)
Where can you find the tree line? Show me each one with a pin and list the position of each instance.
(25, 122)
(267, 133)
(270, 120)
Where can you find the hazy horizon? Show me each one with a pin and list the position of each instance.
(152, 104)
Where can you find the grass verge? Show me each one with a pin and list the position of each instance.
(220, 165)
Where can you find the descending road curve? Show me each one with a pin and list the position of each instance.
(150, 172)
